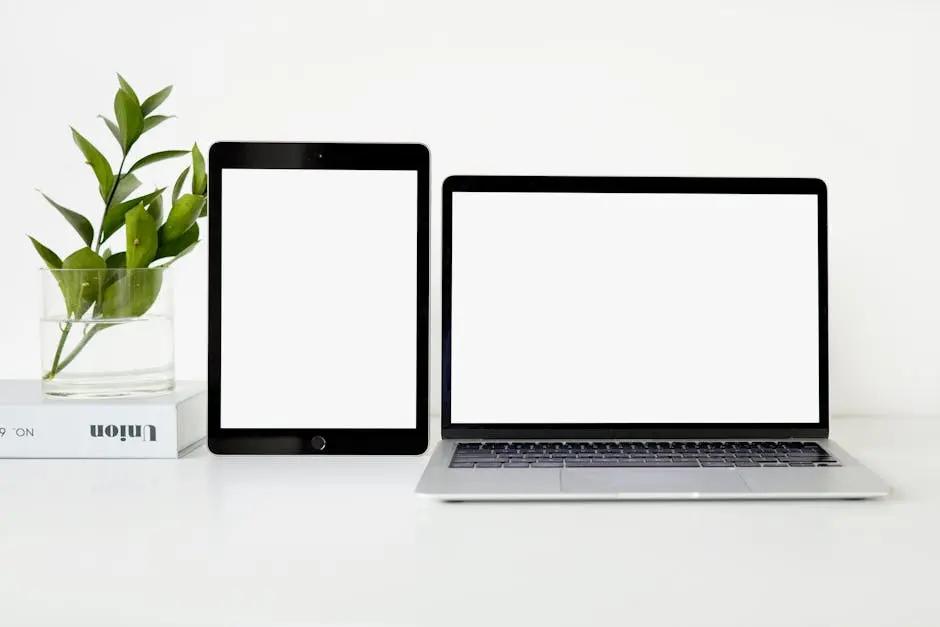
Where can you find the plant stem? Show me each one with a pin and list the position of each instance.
(56, 366)
(107, 205)
(58, 350)
(59, 367)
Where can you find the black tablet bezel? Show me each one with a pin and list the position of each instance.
(602, 185)
(328, 156)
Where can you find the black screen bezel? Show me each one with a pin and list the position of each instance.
(326, 156)
(650, 185)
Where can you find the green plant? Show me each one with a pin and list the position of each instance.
(111, 287)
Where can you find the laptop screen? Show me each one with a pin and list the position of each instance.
(640, 308)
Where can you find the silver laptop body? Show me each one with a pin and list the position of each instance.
(636, 338)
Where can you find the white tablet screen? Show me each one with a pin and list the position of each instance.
(319, 295)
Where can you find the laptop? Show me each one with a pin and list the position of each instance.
(636, 338)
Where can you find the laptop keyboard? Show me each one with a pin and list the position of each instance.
(655, 454)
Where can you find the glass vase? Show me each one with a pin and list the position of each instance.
(107, 333)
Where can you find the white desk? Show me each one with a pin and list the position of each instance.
(278, 542)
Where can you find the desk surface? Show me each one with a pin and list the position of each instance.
(289, 541)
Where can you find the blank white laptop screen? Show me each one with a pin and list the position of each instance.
(634, 308)
(319, 299)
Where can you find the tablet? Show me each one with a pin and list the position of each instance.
(318, 298)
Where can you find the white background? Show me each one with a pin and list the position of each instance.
(319, 331)
(593, 308)
(846, 91)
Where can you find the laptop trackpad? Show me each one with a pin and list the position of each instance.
(652, 480)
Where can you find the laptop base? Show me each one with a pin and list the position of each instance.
(850, 480)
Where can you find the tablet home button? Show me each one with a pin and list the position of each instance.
(318, 443)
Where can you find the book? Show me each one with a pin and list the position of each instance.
(165, 426)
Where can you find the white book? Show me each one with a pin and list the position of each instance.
(166, 426)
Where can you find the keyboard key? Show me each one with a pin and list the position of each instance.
(549, 464)
(488, 465)
(716, 464)
(516, 465)
(461, 465)
(741, 464)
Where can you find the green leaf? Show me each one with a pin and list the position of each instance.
(183, 215)
(147, 106)
(178, 187)
(125, 188)
(83, 259)
(141, 237)
(116, 264)
(79, 222)
(175, 247)
(154, 120)
(130, 120)
(126, 88)
(158, 156)
(113, 128)
(182, 253)
(114, 218)
(116, 261)
(199, 172)
(179, 255)
(81, 279)
(53, 262)
(155, 209)
(97, 162)
(51, 259)
(134, 294)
